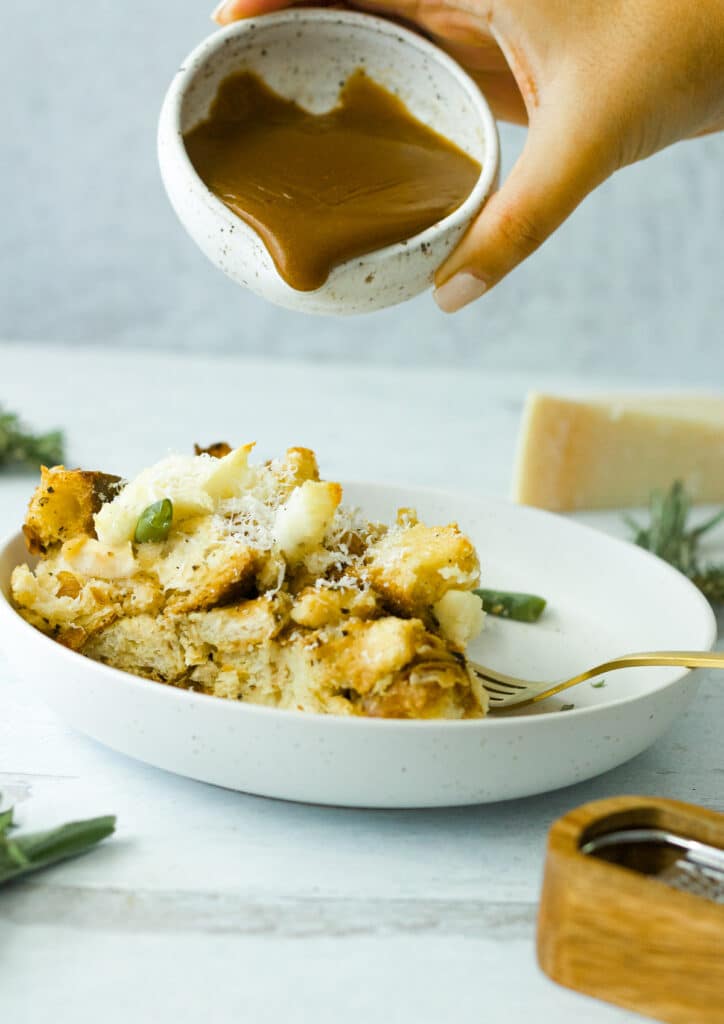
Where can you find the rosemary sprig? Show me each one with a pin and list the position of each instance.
(669, 537)
(711, 583)
(21, 855)
(21, 449)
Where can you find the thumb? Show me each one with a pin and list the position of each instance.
(553, 174)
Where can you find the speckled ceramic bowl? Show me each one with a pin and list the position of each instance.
(304, 54)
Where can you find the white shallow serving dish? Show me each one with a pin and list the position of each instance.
(306, 55)
(606, 597)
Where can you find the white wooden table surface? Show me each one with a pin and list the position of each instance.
(213, 905)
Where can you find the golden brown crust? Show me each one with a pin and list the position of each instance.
(232, 629)
(217, 450)
(297, 466)
(214, 585)
(63, 506)
(407, 700)
(315, 607)
(412, 568)
(70, 608)
(69, 585)
(73, 637)
(435, 687)
(363, 653)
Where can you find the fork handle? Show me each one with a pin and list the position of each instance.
(686, 659)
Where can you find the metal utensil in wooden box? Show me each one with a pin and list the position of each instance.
(632, 909)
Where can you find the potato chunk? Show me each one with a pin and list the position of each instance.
(63, 506)
(460, 616)
(302, 522)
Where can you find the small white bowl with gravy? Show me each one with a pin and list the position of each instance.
(306, 56)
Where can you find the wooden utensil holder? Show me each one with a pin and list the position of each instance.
(619, 934)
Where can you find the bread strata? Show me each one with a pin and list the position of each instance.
(265, 587)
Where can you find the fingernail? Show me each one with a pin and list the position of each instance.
(461, 289)
(218, 10)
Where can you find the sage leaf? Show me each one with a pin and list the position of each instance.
(24, 854)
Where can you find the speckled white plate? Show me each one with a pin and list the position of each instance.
(606, 597)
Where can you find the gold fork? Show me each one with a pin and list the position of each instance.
(509, 692)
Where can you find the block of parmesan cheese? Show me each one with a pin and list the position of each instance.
(613, 450)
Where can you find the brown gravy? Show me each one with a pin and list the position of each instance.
(322, 189)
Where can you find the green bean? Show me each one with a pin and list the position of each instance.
(509, 605)
(154, 522)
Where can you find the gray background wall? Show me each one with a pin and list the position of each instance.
(90, 251)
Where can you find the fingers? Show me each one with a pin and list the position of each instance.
(233, 10)
(502, 94)
(555, 172)
(229, 11)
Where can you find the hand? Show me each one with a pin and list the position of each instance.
(599, 84)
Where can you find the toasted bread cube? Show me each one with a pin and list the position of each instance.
(315, 607)
(431, 690)
(229, 683)
(63, 506)
(202, 567)
(229, 631)
(412, 568)
(367, 652)
(227, 574)
(69, 617)
(387, 668)
(71, 607)
(329, 666)
(145, 645)
(298, 465)
(217, 450)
